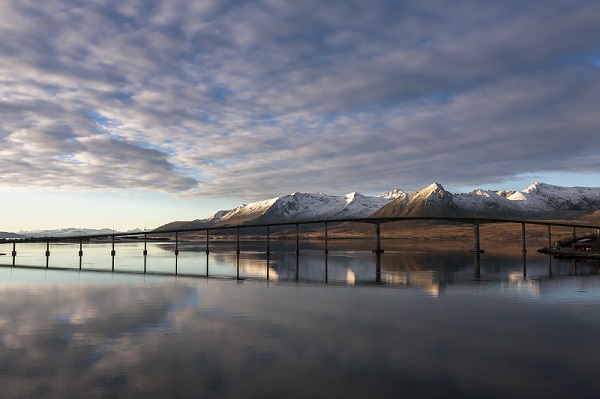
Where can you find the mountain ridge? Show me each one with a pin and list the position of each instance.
(539, 200)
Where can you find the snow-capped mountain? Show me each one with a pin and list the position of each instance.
(295, 207)
(538, 200)
(546, 197)
(433, 200)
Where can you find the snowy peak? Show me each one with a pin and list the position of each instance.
(393, 194)
(432, 193)
(537, 200)
(432, 200)
(301, 207)
(546, 197)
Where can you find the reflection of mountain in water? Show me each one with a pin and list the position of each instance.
(403, 264)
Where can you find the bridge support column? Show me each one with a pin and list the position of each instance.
(523, 236)
(549, 236)
(238, 241)
(14, 253)
(574, 234)
(113, 253)
(47, 254)
(145, 252)
(80, 253)
(476, 241)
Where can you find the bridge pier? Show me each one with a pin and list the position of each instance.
(476, 240)
(80, 253)
(145, 245)
(549, 236)
(113, 253)
(47, 254)
(14, 253)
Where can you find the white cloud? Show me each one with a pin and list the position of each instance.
(259, 98)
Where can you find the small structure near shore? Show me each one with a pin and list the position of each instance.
(584, 248)
(585, 244)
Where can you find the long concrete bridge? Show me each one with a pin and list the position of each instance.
(377, 222)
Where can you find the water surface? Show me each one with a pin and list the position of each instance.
(433, 327)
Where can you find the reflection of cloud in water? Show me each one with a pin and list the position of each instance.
(190, 338)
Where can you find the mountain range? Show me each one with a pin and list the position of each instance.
(66, 232)
(538, 201)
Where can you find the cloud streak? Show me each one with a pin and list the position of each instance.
(251, 99)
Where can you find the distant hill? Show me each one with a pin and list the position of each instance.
(69, 232)
(539, 201)
(4, 234)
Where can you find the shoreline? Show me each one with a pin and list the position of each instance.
(570, 253)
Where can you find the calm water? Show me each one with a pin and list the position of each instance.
(440, 323)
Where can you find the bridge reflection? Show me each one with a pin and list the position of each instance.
(403, 265)
(261, 261)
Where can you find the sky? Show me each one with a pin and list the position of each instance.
(134, 113)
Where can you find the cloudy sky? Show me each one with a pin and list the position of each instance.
(135, 113)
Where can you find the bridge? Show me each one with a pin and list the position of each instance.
(377, 222)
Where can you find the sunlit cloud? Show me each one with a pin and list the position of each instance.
(254, 99)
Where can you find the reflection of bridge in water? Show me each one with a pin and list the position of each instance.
(175, 236)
